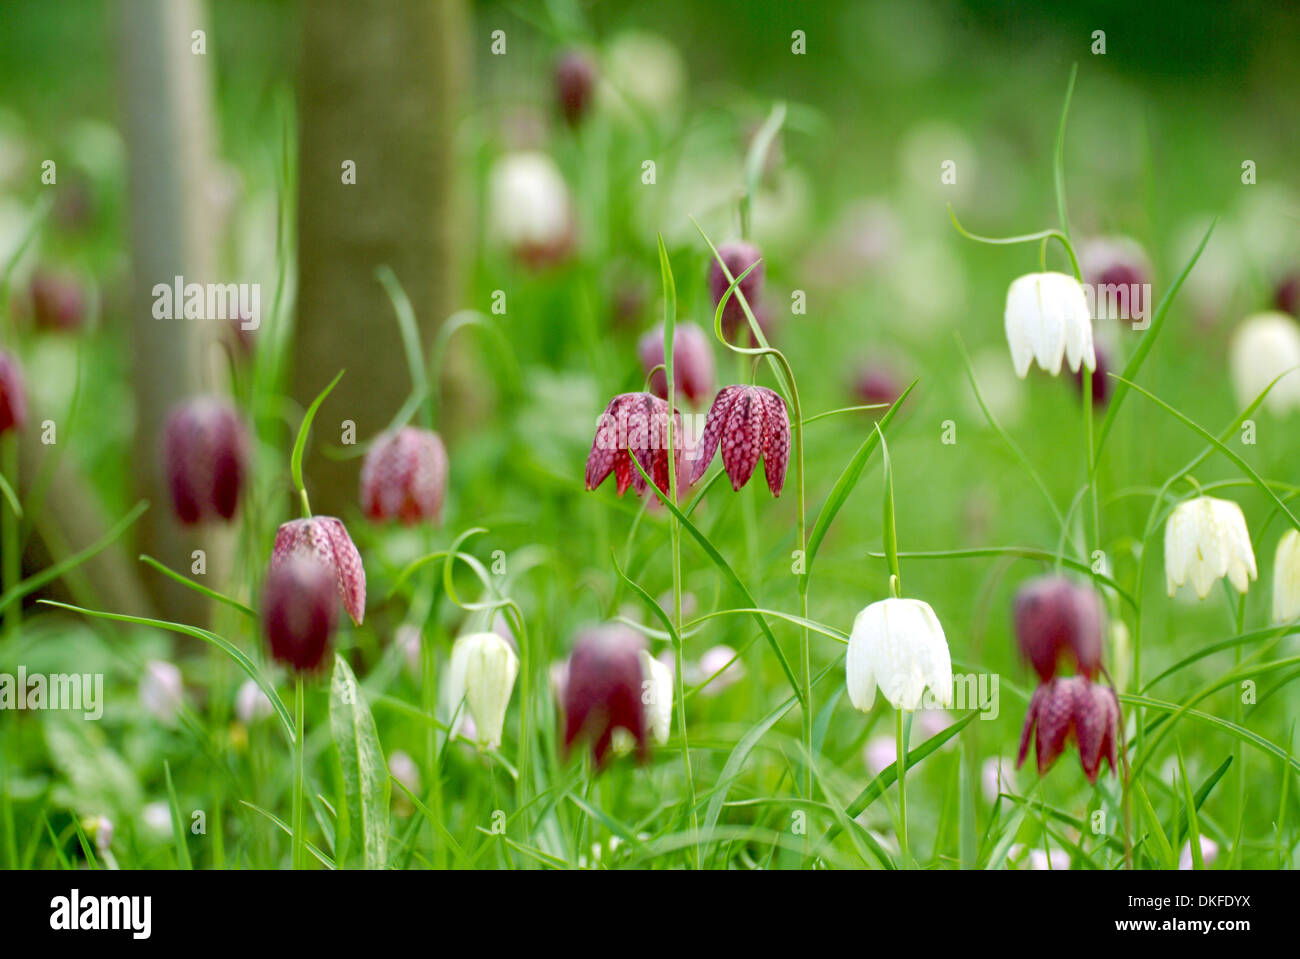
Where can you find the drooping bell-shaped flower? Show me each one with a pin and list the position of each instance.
(205, 455)
(1072, 707)
(692, 362)
(898, 646)
(633, 424)
(404, 477)
(747, 422)
(603, 690)
(1057, 616)
(1047, 321)
(300, 610)
(739, 257)
(529, 211)
(59, 302)
(483, 670)
(575, 83)
(13, 394)
(1264, 347)
(1206, 539)
(1286, 578)
(326, 539)
(657, 696)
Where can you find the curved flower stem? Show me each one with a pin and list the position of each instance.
(299, 766)
(901, 758)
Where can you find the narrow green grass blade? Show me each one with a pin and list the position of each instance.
(1165, 852)
(1189, 807)
(198, 587)
(284, 827)
(178, 821)
(300, 443)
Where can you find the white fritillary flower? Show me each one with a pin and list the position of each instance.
(1047, 321)
(657, 696)
(898, 645)
(1206, 539)
(1264, 347)
(1286, 578)
(483, 670)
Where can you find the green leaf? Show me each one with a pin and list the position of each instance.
(300, 444)
(1167, 858)
(727, 572)
(1145, 346)
(844, 486)
(198, 587)
(1202, 794)
(178, 821)
(365, 773)
(227, 647)
(889, 532)
(1058, 167)
(1189, 807)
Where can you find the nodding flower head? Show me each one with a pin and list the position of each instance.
(326, 539)
(1206, 539)
(603, 690)
(1055, 616)
(300, 610)
(738, 257)
(897, 645)
(1266, 347)
(1047, 321)
(13, 394)
(747, 422)
(575, 82)
(692, 362)
(205, 455)
(1286, 578)
(1072, 707)
(58, 301)
(529, 210)
(634, 424)
(483, 670)
(404, 477)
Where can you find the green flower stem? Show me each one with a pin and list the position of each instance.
(901, 750)
(300, 762)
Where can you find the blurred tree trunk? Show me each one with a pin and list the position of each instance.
(380, 87)
(167, 113)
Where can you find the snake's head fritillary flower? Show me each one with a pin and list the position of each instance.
(483, 670)
(161, 690)
(1119, 271)
(58, 301)
(1102, 382)
(876, 384)
(300, 610)
(1054, 616)
(899, 646)
(1287, 295)
(739, 257)
(603, 690)
(1286, 578)
(1206, 539)
(747, 422)
(1047, 321)
(326, 539)
(404, 477)
(205, 456)
(1072, 707)
(13, 394)
(720, 667)
(575, 82)
(657, 696)
(529, 211)
(1264, 347)
(692, 362)
(633, 424)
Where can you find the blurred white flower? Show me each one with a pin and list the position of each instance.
(997, 775)
(713, 660)
(528, 205)
(251, 703)
(1041, 859)
(157, 817)
(898, 645)
(161, 690)
(1286, 578)
(402, 768)
(1209, 852)
(100, 830)
(641, 71)
(1264, 347)
(880, 753)
(407, 639)
(1205, 539)
(657, 696)
(1047, 320)
(482, 672)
